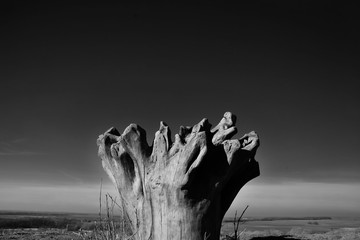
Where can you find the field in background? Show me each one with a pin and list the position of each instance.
(32, 225)
(68, 221)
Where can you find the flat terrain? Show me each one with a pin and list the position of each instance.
(63, 226)
(36, 234)
(319, 229)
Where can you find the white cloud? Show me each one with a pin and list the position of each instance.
(298, 199)
(65, 198)
(265, 200)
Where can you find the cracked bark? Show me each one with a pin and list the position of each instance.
(180, 189)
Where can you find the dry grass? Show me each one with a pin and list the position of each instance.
(111, 226)
(236, 224)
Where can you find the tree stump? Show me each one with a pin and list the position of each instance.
(181, 189)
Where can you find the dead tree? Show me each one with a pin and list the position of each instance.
(181, 189)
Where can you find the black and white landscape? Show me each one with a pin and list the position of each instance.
(287, 69)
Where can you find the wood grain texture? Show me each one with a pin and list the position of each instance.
(181, 189)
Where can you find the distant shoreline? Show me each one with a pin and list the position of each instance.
(279, 219)
(42, 213)
(227, 219)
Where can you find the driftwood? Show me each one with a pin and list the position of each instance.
(180, 189)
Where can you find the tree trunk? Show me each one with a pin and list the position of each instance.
(179, 190)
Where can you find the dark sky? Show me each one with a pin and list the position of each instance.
(289, 70)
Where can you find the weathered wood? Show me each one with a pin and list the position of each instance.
(180, 189)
